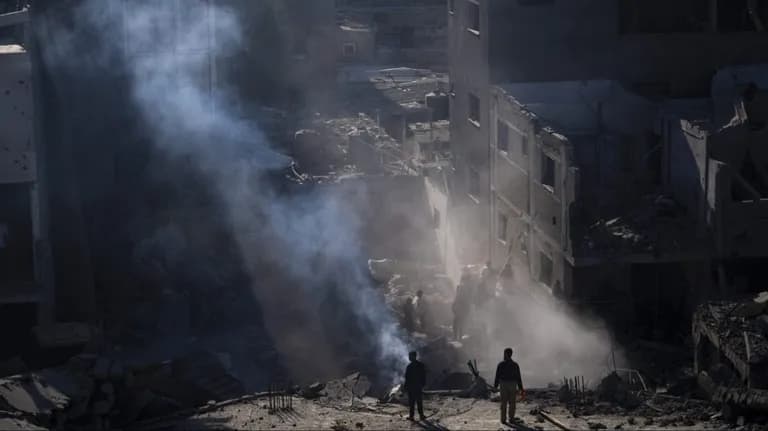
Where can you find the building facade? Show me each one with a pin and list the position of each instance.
(569, 155)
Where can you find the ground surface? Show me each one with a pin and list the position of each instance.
(444, 413)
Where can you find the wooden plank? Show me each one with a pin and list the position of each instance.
(551, 419)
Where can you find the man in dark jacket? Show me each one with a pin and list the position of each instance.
(508, 381)
(415, 380)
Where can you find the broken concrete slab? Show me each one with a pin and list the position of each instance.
(19, 425)
(355, 385)
(33, 397)
(312, 391)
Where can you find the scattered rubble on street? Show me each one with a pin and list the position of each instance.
(92, 392)
(731, 355)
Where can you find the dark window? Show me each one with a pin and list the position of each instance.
(547, 171)
(501, 229)
(502, 136)
(350, 49)
(546, 270)
(474, 182)
(435, 218)
(473, 16)
(474, 108)
(407, 37)
(524, 145)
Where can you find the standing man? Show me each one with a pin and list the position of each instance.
(415, 380)
(508, 377)
(409, 318)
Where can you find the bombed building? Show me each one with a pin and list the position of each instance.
(551, 134)
(247, 214)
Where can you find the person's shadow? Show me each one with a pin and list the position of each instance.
(431, 426)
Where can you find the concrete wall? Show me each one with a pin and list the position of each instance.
(362, 39)
(740, 225)
(583, 39)
(469, 74)
(536, 215)
(308, 32)
(685, 165)
(17, 158)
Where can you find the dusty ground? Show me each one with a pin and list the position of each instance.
(444, 413)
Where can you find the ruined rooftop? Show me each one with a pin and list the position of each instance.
(390, 89)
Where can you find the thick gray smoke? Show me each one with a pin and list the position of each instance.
(300, 251)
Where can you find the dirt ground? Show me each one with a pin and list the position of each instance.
(444, 413)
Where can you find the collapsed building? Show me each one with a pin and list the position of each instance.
(572, 161)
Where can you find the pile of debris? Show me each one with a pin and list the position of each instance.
(619, 395)
(731, 353)
(92, 392)
(331, 148)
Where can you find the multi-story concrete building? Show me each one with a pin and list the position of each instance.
(563, 162)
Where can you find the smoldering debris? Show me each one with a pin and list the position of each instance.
(301, 251)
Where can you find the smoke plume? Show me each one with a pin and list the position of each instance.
(300, 249)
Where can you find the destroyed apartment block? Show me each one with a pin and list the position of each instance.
(564, 155)
(597, 188)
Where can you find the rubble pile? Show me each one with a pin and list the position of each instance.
(615, 397)
(333, 148)
(731, 351)
(93, 392)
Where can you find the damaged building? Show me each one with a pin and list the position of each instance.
(569, 156)
(196, 196)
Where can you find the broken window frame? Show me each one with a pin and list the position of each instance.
(346, 45)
